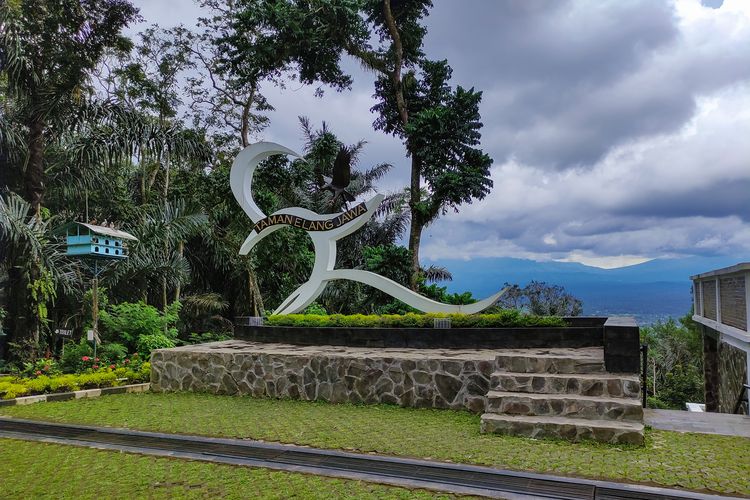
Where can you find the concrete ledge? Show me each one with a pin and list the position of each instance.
(589, 335)
(622, 345)
(85, 393)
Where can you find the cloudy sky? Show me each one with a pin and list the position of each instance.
(620, 130)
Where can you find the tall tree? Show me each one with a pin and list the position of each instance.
(48, 49)
(441, 136)
(438, 125)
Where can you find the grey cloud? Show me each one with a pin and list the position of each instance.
(715, 199)
(566, 82)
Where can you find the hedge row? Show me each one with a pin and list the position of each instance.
(13, 387)
(508, 318)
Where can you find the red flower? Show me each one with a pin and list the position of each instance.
(111, 367)
(85, 358)
(96, 359)
(126, 361)
(95, 367)
(46, 367)
(38, 372)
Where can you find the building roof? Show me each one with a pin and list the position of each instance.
(737, 268)
(101, 230)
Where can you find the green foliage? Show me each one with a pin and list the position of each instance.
(391, 261)
(701, 462)
(147, 343)
(41, 367)
(124, 476)
(316, 309)
(540, 298)
(73, 353)
(270, 36)
(508, 318)
(675, 371)
(112, 352)
(139, 325)
(202, 338)
(442, 134)
(42, 291)
(13, 387)
(440, 293)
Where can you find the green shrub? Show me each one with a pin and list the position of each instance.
(147, 343)
(44, 366)
(315, 308)
(506, 318)
(73, 353)
(112, 353)
(12, 387)
(202, 338)
(128, 322)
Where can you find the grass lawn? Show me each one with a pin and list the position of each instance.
(42, 470)
(692, 461)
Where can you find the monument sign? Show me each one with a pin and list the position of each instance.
(324, 230)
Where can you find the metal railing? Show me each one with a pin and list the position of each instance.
(644, 373)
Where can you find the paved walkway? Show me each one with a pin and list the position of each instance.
(701, 422)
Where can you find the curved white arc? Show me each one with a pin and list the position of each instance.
(301, 298)
(408, 296)
(241, 175)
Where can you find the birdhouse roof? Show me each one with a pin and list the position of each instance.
(100, 230)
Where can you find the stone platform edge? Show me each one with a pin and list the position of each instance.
(85, 393)
(332, 377)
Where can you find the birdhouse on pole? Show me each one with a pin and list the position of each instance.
(89, 240)
(92, 244)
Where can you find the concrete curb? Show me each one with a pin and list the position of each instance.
(86, 393)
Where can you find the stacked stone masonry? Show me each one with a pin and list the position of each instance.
(544, 393)
(457, 379)
(520, 391)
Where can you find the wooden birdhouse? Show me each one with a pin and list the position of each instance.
(89, 240)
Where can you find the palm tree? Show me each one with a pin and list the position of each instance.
(157, 261)
(30, 250)
(48, 48)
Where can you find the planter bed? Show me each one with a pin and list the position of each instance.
(85, 393)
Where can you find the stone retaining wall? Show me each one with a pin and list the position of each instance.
(416, 378)
(725, 370)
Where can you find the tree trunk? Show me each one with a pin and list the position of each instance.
(180, 251)
(415, 228)
(95, 307)
(34, 178)
(256, 299)
(245, 118)
(164, 298)
(34, 183)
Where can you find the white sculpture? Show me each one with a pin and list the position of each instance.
(325, 231)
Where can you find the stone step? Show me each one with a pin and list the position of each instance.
(584, 384)
(572, 429)
(587, 360)
(571, 406)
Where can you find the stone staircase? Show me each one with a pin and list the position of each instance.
(563, 393)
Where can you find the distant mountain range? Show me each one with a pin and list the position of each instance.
(650, 291)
